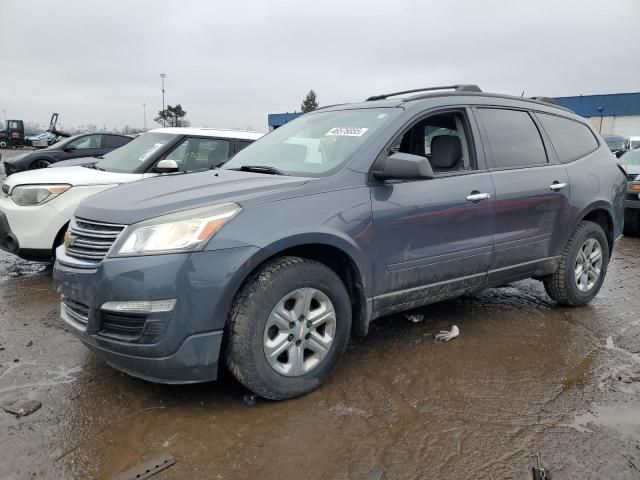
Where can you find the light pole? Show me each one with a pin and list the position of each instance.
(600, 109)
(5, 118)
(144, 112)
(162, 77)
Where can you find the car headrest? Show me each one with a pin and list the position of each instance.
(217, 156)
(446, 151)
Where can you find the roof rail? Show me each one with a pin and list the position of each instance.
(457, 88)
(544, 99)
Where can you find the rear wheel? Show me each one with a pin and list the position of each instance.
(632, 222)
(582, 268)
(288, 327)
(40, 163)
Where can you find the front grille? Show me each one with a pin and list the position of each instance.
(90, 241)
(123, 326)
(75, 313)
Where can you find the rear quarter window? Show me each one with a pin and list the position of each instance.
(571, 140)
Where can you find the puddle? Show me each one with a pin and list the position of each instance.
(624, 419)
(577, 375)
(477, 407)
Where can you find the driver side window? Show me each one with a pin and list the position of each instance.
(442, 139)
(199, 153)
(90, 141)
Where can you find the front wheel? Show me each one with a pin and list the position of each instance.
(41, 163)
(582, 268)
(288, 327)
(3, 144)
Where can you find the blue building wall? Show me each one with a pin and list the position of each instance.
(615, 104)
(276, 120)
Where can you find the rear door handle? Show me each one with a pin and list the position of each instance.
(555, 186)
(477, 197)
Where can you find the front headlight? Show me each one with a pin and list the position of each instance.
(188, 230)
(27, 195)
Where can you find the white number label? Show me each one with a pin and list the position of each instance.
(346, 132)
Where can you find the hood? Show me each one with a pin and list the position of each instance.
(631, 169)
(75, 176)
(157, 196)
(74, 161)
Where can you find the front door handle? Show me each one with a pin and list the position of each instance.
(477, 197)
(555, 186)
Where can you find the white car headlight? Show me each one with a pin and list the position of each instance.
(26, 195)
(180, 231)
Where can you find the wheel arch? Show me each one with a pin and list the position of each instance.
(334, 252)
(59, 238)
(602, 214)
(40, 157)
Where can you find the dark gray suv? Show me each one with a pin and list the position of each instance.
(346, 214)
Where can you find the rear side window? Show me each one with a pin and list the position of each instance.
(240, 144)
(114, 141)
(571, 140)
(514, 138)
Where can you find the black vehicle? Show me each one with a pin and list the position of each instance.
(85, 145)
(617, 144)
(13, 135)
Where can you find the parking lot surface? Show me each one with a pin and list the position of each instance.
(524, 376)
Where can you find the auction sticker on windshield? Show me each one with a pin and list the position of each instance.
(346, 132)
(150, 151)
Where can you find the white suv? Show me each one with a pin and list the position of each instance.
(36, 205)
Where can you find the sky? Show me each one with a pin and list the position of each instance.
(231, 63)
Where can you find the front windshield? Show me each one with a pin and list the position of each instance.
(316, 144)
(632, 157)
(614, 143)
(127, 159)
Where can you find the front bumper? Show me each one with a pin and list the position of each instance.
(181, 346)
(29, 232)
(9, 168)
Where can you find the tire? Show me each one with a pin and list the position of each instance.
(563, 286)
(3, 144)
(252, 330)
(40, 163)
(632, 222)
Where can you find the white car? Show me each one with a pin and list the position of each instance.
(36, 205)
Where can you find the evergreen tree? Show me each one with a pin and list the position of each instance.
(310, 102)
(172, 117)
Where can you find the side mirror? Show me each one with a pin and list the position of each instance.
(404, 166)
(70, 148)
(166, 166)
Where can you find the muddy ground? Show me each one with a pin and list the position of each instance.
(525, 376)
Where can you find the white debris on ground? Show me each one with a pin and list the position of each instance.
(445, 336)
(414, 317)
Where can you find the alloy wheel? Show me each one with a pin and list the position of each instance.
(299, 332)
(588, 265)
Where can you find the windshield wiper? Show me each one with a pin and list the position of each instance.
(259, 169)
